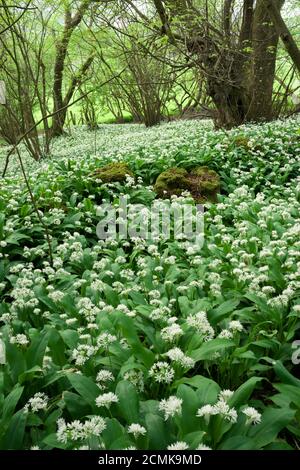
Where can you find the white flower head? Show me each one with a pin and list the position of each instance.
(106, 399)
(137, 430)
(162, 372)
(235, 326)
(253, 416)
(225, 395)
(203, 447)
(171, 406)
(179, 445)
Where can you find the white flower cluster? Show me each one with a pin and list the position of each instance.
(171, 407)
(38, 402)
(75, 431)
(223, 409)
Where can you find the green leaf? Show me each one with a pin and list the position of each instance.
(156, 431)
(30, 374)
(129, 331)
(128, 404)
(217, 314)
(207, 350)
(111, 296)
(273, 421)
(52, 442)
(207, 390)
(76, 405)
(188, 420)
(284, 375)
(11, 401)
(16, 360)
(70, 338)
(121, 443)
(86, 388)
(238, 443)
(14, 436)
(36, 351)
(113, 431)
(243, 393)
(194, 438)
(289, 391)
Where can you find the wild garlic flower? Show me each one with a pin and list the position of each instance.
(177, 356)
(38, 402)
(235, 326)
(106, 399)
(137, 430)
(19, 339)
(171, 407)
(171, 333)
(76, 430)
(253, 416)
(162, 372)
(201, 324)
(179, 445)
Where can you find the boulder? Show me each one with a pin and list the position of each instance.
(202, 182)
(114, 172)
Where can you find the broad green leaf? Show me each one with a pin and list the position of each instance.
(86, 388)
(156, 431)
(238, 443)
(217, 314)
(207, 350)
(113, 431)
(188, 422)
(273, 421)
(243, 393)
(290, 391)
(14, 436)
(128, 404)
(11, 401)
(284, 375)
(36, 351)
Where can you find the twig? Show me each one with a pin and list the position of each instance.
(26, 8)
(36, 207)
(32, 128)
(16, 149)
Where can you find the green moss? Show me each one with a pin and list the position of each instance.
(114, 172)
(242, 141)
(172, 181)
(202, 182)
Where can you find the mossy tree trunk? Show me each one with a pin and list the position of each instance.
(237, 58)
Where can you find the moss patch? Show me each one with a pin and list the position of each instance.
(202, 182)
(114, 172)
(242, 141)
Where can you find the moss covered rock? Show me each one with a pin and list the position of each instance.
(205, 182)
(114, 172)
(202, 182)
(172, 181)
(242, 141)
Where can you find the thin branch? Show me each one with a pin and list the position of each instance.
(32, 128)
(25, 9)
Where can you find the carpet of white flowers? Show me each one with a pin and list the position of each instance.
(143, 344)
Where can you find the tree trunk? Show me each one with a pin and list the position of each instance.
(61, 53)
(283, 31)
(239, 74)
(265, 43)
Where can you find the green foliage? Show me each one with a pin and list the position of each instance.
(149, 344)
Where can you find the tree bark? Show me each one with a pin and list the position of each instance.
(265, 43)
(240, 72)
(61, 53)
(283, 31)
